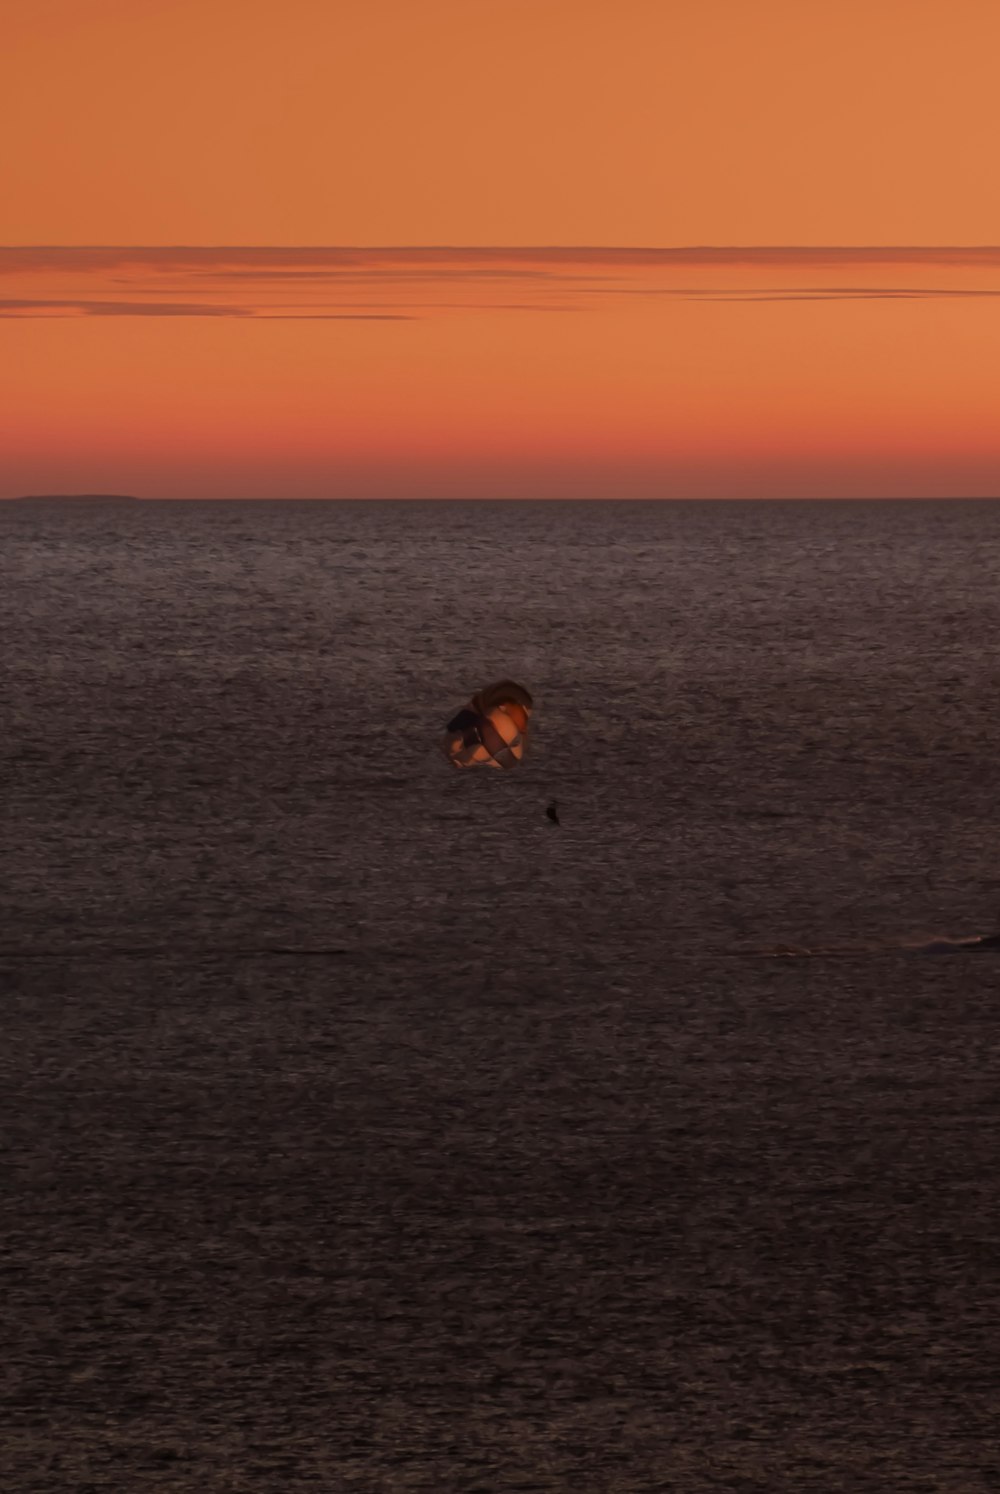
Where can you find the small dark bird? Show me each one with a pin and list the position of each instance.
(553, 813)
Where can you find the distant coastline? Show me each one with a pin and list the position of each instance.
(75, 498)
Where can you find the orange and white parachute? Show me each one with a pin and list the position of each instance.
(491, 731)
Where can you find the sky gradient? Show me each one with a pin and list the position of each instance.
(282, 366)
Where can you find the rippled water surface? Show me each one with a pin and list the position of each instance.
(366, 1131)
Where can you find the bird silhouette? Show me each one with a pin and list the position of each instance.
(553, 813)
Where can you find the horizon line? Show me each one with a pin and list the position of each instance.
(83, 497)
(527, 247)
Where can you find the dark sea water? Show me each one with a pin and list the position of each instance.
(365, 1131)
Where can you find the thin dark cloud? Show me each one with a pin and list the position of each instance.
(22, 306)
(797, 293)
(845, 293)
(405, 284)
(261, 257)
(332, 316)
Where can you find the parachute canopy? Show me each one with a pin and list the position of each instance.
(491, 731)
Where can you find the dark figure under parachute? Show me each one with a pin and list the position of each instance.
(492, 730)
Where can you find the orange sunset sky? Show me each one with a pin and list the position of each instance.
(545, 248)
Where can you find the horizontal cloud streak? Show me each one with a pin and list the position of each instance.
(21, 307)
(107, 257)
(387, 284)
(24, 306)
